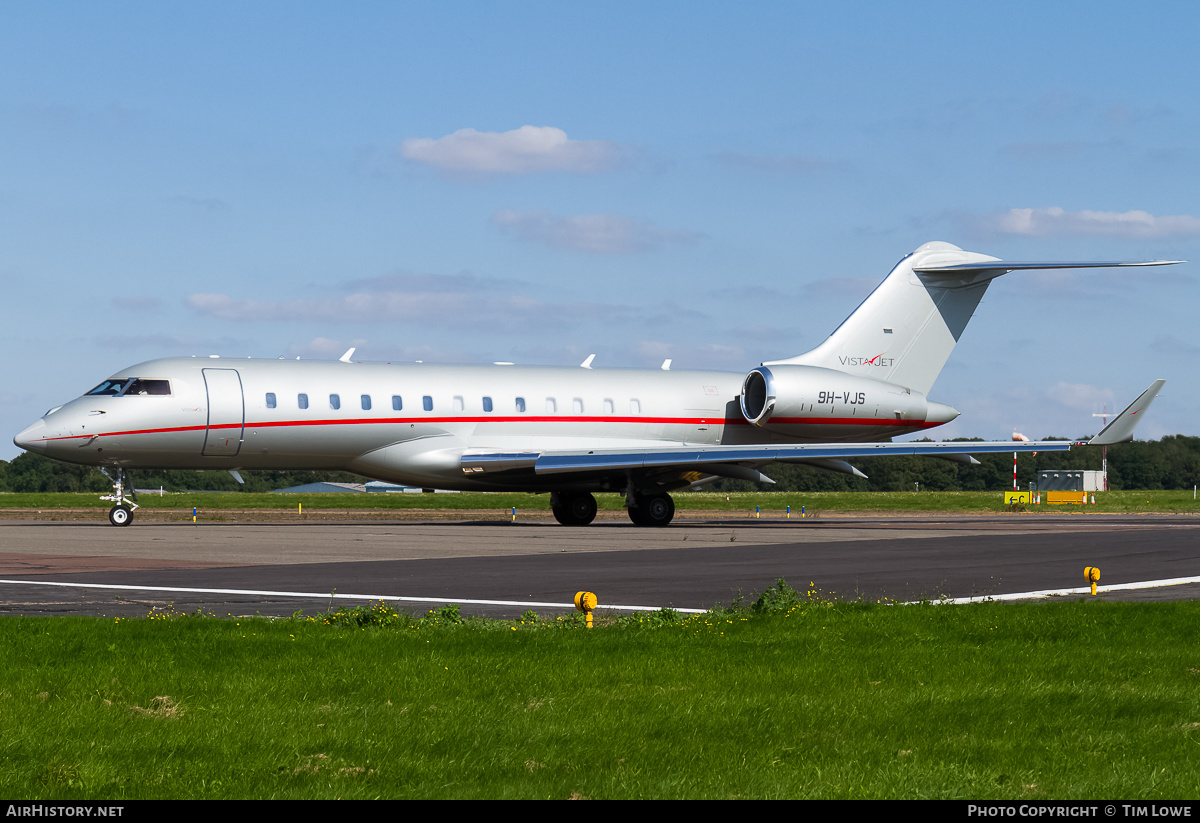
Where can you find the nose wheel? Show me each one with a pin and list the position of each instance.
(122, 513)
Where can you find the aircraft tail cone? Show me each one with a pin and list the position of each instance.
(940, 413)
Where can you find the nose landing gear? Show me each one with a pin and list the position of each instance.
(122, 513)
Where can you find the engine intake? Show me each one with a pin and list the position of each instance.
(791, 399)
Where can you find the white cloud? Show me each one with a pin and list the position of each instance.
(520, 151)
(1171, 345)
(594, 233)
(1062, 150)
(1078, 396)
(774, 164)
(842, 288)
(1055, 221)
(480, 311)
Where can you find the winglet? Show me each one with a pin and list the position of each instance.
(1122, 426)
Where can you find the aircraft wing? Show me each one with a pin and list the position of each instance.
(697, 458)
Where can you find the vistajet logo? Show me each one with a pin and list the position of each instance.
(877, 360)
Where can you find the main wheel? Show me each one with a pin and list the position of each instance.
(574, 508)
(120, 515)
(652, 510)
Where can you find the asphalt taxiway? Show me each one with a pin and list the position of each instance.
(277, 568)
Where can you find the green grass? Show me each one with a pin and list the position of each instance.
(772, 504)
(802, 698)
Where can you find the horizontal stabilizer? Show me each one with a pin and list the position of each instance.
(1122, 426)
(1001, 266)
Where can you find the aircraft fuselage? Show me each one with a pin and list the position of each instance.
(410, 423)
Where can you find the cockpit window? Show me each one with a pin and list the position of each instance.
(141, 386)
(131, 386)
(108, 387)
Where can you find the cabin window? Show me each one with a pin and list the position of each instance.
(577, 405)
(427, 403)
(520, 404)
(270, 400)
(635, 406)
(551, 406)
(302, 401)
(397, 403)
(366, 402)
(608, 405)
(487, 404)
(335, 401)
(457, 403)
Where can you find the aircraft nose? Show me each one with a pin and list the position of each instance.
(32, 437)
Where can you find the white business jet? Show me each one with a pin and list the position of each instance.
(568, 431)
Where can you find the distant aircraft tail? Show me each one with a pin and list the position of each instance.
(905, 330)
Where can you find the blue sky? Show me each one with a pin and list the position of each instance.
(715, 183)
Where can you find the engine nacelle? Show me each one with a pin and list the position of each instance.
(808, 400)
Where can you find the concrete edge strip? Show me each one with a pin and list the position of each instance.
(334, 596)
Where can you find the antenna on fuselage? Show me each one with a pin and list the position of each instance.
(345, 358)
(587, 364)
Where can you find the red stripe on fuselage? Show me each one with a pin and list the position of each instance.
(358, 421)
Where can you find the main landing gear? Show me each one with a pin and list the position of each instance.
(579, 508)
(122, 513)
(573, 508)
(651, 509)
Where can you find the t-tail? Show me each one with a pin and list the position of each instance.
(905, 330)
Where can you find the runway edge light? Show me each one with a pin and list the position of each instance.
(585, 602)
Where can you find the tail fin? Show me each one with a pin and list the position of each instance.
(905, 330)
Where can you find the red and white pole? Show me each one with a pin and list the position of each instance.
(1020, 438)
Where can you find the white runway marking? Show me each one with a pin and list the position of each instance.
(1146, 584)
(334, 596)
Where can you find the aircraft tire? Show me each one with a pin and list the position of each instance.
(575, 509)
(653, 510)
(120, 515)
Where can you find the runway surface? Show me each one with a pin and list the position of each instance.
(694, 563)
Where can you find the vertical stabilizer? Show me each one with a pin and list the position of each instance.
(905, 330)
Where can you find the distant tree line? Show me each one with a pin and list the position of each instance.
(1170, 463)
(29, 472)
